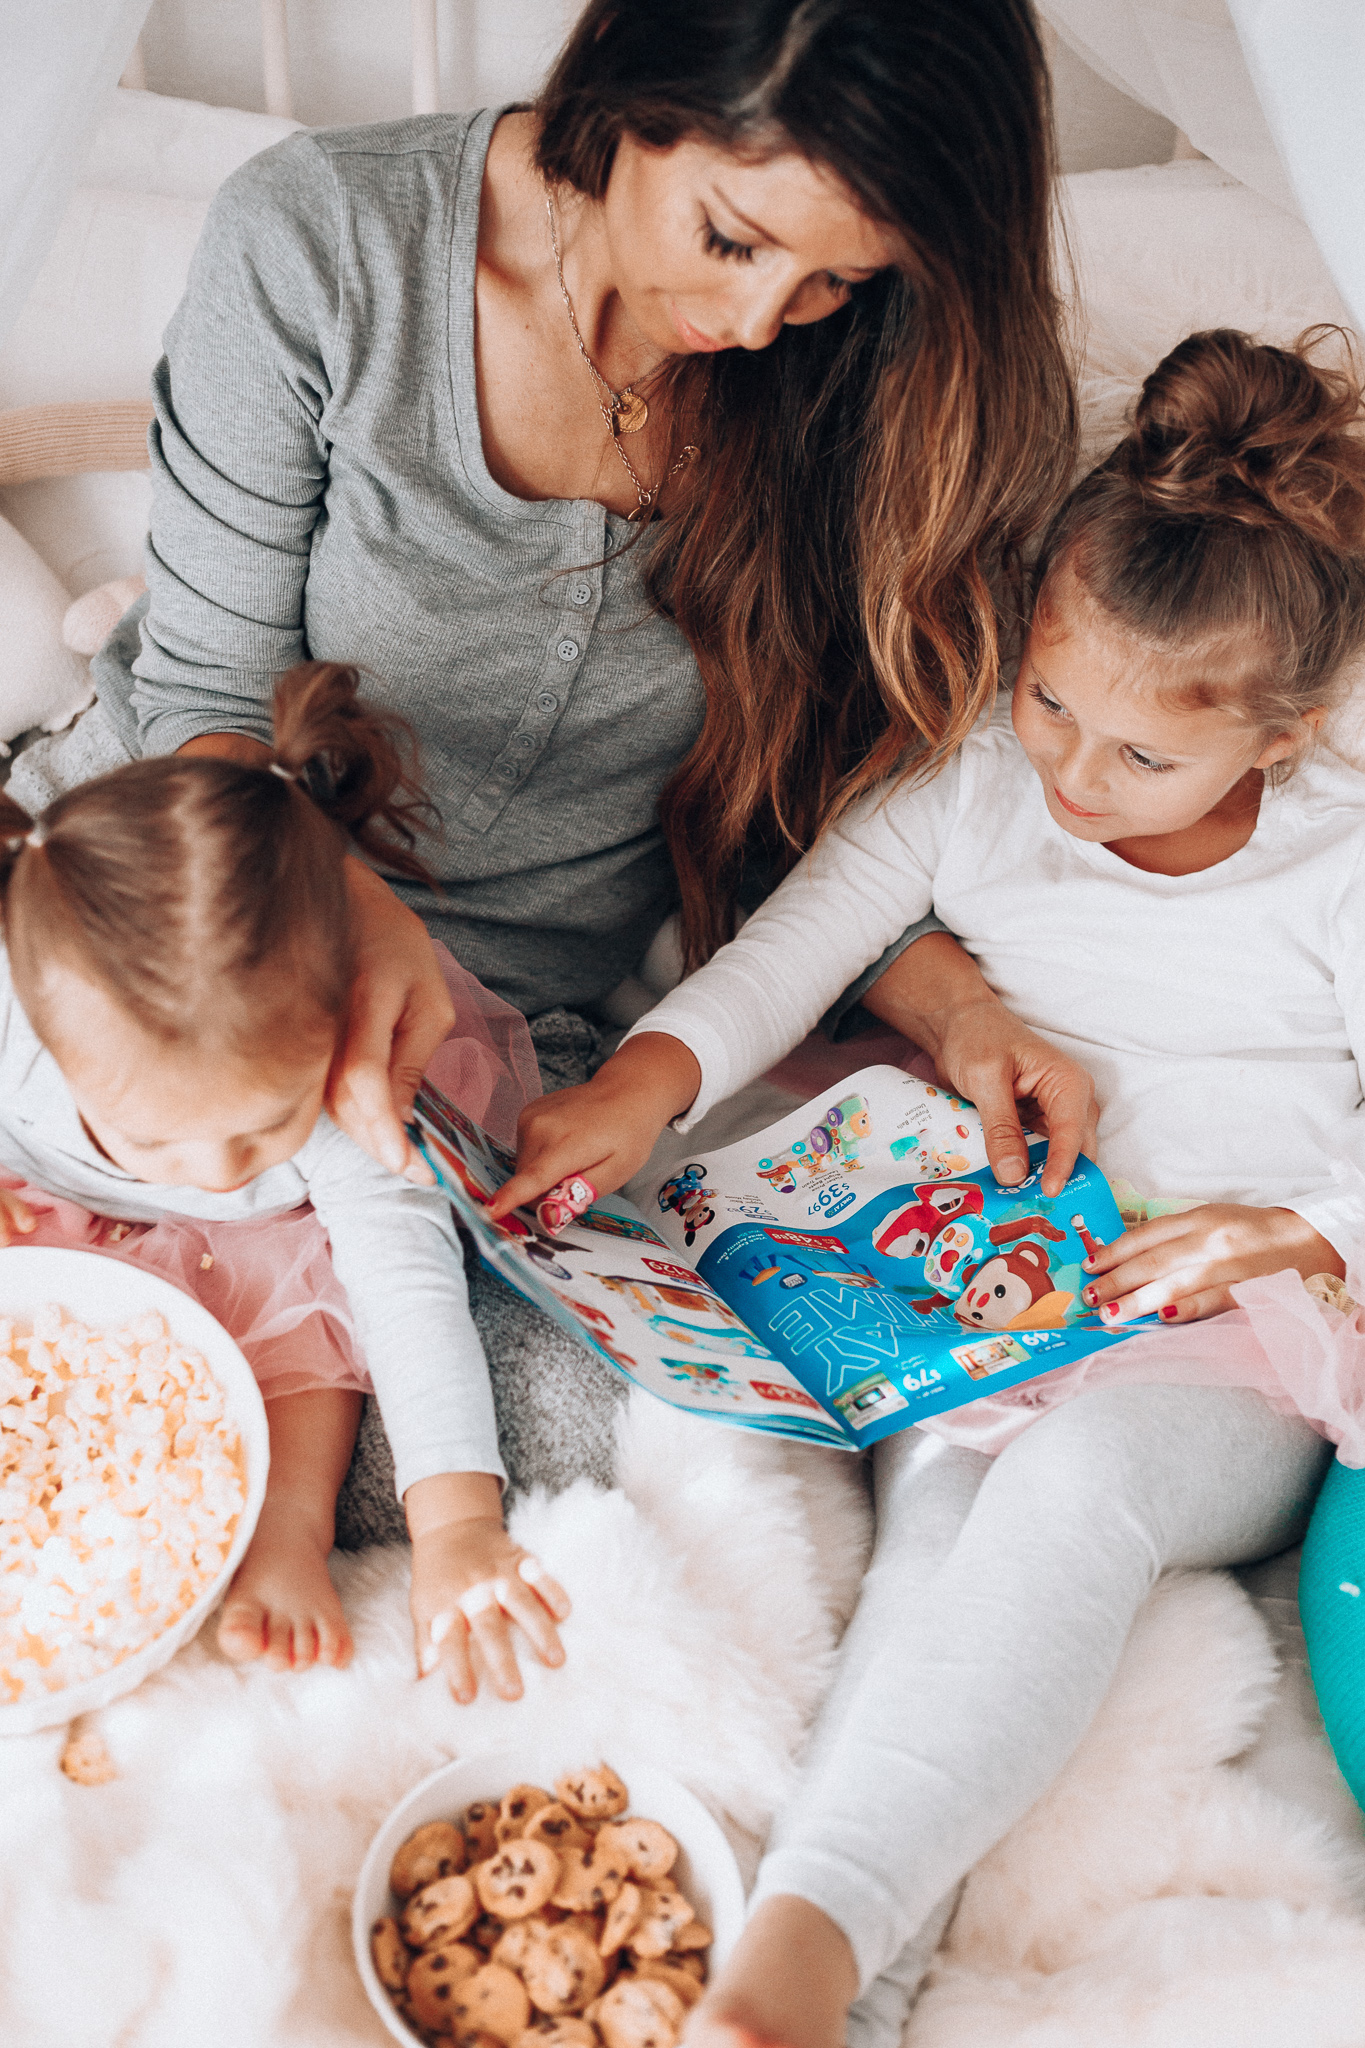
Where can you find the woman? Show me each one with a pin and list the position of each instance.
(659, 453)
(652, 450)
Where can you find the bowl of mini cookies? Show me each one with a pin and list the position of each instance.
(543, 1903)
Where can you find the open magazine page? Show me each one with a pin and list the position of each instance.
(865, 1239)
(617, 1285)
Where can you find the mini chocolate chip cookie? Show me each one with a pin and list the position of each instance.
(663, 1916)
(518, 1880)
(440, 1913)
(593, 1795)
(636, 2013)
(516, 1809)
(480, 1828)
(622, 1914)
(492, 2001)
(687, 1987)
(515, 1943)
(695, 1935)
(557, 1826)
(389, 1953)
(563, 1971)
(589, 1879)
(434, 1982)
(649, 1850)
(437, 1850)
(564, 2033)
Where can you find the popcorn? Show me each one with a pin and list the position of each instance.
(120, 1489)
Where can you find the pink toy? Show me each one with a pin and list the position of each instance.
(563, 1202)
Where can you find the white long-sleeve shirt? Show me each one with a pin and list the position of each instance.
(1222, 1014)
(394, 1248)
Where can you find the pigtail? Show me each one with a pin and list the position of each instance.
(358, 764)
(16, 826)
(206, 897)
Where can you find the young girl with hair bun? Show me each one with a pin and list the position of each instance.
(175, 977)
(1157, 868)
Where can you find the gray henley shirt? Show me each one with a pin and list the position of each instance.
(321, 490)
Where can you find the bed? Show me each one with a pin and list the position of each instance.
(1197, 1877)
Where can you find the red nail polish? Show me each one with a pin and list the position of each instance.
(1088, 1296)
(1111, 1308)
(1170, 1311)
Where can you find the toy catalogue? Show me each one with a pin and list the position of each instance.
(843, 1274)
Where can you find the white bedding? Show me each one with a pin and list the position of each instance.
(202, 1896)
(1157, 1899)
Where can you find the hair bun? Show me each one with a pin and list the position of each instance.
(1233, 429)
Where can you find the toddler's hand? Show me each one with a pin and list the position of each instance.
(469, 1579)
(605, 1129)
(16, 1218)
(1186, 1266)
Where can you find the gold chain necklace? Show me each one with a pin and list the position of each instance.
(624, 411)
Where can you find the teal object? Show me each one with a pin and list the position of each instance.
(1332, 1605)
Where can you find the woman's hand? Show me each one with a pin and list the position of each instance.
(606, 1129)
(1186, 1266)
(470, 1581)
(400, 1012)
(936, 996)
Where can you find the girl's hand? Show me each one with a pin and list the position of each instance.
(16, 1217)
(605, 1129)
(936, 996)
(400, 1012)
(1185, 1266)
(470, 1580)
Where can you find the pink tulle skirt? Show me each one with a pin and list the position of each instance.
(1303, 1355)
(269, 1281)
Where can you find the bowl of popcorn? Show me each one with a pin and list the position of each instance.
(133, 1460)
(510, 1902)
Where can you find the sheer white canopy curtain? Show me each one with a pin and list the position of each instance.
(1273, 90)
(61, 61)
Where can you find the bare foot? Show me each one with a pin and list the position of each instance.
(788, 1984)
(282, 1605)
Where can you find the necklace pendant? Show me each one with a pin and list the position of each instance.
(629, 412)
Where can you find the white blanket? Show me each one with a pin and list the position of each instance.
(1158, 1896)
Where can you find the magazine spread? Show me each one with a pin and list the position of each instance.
(843, 1274)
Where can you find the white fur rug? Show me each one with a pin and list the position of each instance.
(1157, 1899)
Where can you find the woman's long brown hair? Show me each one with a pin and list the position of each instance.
(836, 554)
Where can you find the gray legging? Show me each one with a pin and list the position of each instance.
(991, 1622)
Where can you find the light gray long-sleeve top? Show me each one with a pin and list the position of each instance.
(320, 489)
(394, 1248)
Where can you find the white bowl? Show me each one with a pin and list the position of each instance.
(107, 1293)
(706, 1870)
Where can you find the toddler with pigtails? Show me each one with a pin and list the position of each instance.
(175, 977)
(1158, 868)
